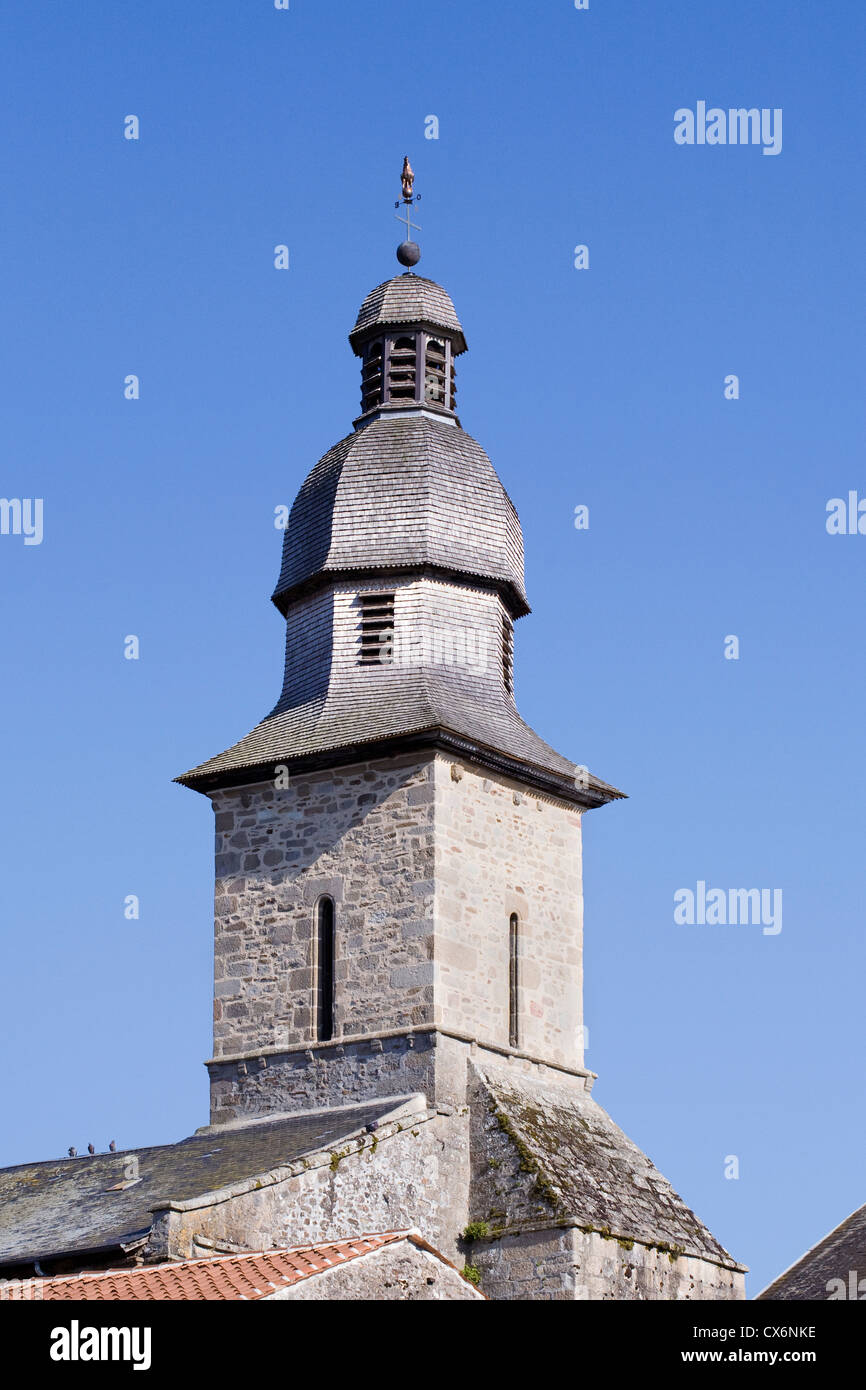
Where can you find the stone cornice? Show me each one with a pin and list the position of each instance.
(419, 1030)
(433, 739)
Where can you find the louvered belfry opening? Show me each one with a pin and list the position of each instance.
(435, 369)
(376, 630)
(371, 376)
(408, 336)
(508, 653)
(402, 368)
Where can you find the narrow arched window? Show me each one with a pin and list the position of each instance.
(513, 980)
(325, 970)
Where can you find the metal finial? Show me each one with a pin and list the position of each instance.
(408, 252)
(407, 178)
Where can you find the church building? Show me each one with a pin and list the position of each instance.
(398, 1028)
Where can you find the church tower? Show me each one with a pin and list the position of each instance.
(398, 906)
(398, 853)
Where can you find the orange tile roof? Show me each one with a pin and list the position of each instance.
(226, 1277)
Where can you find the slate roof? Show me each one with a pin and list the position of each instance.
(401, 493)
(374, 705)
(408, 495)
(68, 1205)
(222, 1278)
(595, 1176)
(407, 298)
(837, 1256)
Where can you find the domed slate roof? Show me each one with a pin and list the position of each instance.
(408, 494)
(404, 492)
(408, 298)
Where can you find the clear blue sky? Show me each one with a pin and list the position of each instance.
(602, 387)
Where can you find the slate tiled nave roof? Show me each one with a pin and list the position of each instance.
(81, 1204)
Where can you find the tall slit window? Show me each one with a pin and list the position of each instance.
(325, 970)
(376, 630)
(513, 980)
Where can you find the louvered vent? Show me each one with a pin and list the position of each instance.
(371, 377)
(434, 372)
(401, 370)
(376, 630)
(508, 653)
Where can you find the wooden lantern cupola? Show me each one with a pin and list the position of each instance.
(407, 337)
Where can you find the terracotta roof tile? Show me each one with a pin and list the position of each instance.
(229, 1278)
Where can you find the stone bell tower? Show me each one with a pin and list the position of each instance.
(398, 853)
(398, 908)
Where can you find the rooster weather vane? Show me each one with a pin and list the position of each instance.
(408, 252)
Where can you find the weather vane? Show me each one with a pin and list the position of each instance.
(408, 252)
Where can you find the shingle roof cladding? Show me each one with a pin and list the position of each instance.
(67, 1204)
(834, 1257)
(407, 298)
(412, 702)
(404, 495)
(404, 492)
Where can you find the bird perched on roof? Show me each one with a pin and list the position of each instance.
(91, 1149)
(73, 1153)
(112, 1148)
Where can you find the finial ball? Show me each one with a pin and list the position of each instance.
(408, 253)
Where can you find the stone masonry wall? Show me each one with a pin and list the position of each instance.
(364, 836)
(577, 1265)
(411, 1174)
(425, 859)
(400, 1271)
(501, 849)
(326, 1075)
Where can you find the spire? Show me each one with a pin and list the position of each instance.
(408, 252)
